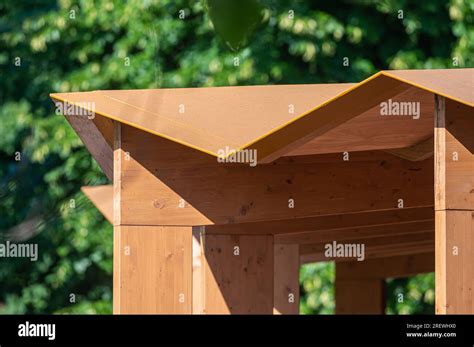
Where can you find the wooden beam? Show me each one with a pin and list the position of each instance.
(196, 190)
(374, 247)
(355, 233)
(285, 229)
(286, 286)
(389, 267)
(454, 203)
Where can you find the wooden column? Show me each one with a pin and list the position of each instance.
(454, 204)
(286, 286)
(152, 263)
(360, 286)
(244, 274)
(358, 295)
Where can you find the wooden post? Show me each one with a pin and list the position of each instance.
(152, 263)
(360, 286)
(286, 287)
(454, 204)
(356, 295)
(244, 274)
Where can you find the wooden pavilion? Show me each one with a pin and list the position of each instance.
(387, 164)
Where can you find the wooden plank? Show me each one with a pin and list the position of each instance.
(454, 203)
(286, 279)
(154, 182)
(238, 274)
(454, 145)
(154, 270)
(94, 141)
(370, 130)
(454, 262)
(388, 267)
(284, 228)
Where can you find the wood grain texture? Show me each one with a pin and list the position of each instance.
(454, 203)
(454, 262)
(454, 145)
(160, 173)
(286, 287)
(238, 284)
(153, 270)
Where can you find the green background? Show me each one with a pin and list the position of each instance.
(87, 45)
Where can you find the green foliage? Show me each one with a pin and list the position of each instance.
(317, 287)
(69, 45)
(411, 295)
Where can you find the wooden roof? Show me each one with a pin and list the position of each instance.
(276, 120)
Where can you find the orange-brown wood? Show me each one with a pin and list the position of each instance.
(454, 202)
(370, 130)
(286, 287)
(364, 296)
(152, 270)
(103, 198)
(360, 286)
(375, 247)
(454, 146)
(284, 229)
(420, 151)
(94, 140)
(454, 262)
(388, 267)
(238, 274)
(164, 183)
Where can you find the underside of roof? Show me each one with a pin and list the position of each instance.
(278, 120)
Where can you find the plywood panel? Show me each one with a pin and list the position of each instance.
(152, 270)
(286, 286)
(238, 274)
